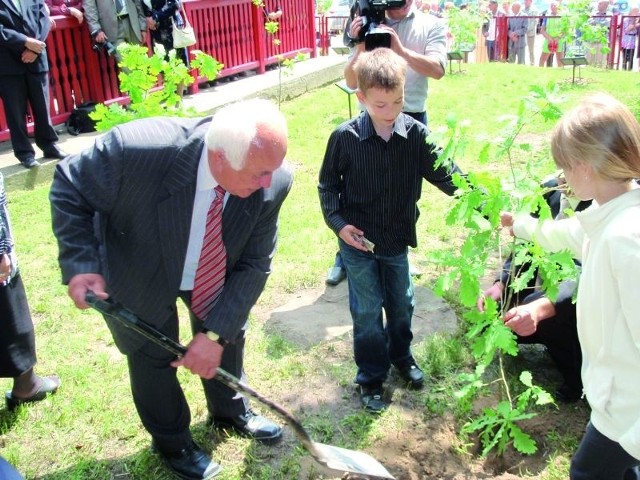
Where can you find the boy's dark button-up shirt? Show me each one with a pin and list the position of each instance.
(374, 185)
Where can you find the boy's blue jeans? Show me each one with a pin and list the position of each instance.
(377, 282)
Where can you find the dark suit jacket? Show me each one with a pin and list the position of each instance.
(123, 209)
(14, 30)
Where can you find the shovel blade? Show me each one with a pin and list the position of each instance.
(350, 461)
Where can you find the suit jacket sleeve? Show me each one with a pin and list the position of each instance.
(248, 276)
(80, 189)
(142, 20)
(91, 15)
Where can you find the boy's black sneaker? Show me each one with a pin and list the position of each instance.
(371, 398)
(411, 373)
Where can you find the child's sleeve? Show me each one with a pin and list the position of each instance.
(440, 176)
(331, 184)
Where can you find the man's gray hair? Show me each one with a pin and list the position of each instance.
(234, 128)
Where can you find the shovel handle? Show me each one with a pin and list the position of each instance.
(129, 319)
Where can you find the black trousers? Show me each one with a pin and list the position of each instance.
(16, 91)
(17, 339)
(560, 335)
(600, 458)
(160, 400)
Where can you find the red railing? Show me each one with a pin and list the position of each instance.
(232, 31)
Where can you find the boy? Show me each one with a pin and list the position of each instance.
(370, 181)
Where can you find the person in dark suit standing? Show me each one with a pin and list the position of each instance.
(24, 26)
(129, 215)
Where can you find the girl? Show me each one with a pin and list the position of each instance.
(598, 146)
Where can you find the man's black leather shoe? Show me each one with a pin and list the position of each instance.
(54, 152)
(250, 425)
(568, 394)
(30, 162)
(190, 463)
(411, 373)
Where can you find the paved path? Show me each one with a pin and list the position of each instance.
(305, 76)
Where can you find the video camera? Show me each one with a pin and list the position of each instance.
(372, 13)
(106, 45)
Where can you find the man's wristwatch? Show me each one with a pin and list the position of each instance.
(214, 337)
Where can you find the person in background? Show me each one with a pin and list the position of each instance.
(17, 337)
(630, 27)
(361, 196)
(67, 8)
(24, 79)
(116, 21)
(597, 145)
(551, 30)
(600, 17)
(162, 209)
(159, 15)
(517, 32)
(490, 30)
(532, 23)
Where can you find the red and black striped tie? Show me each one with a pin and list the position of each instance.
(212, 264)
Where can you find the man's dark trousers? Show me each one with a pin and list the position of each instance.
(16, 91)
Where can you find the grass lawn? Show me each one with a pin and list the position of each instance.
(90, 429)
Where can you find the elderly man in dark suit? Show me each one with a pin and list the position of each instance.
(129, 215)
(24, 26)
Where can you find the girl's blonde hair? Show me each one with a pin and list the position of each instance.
(601, 132)
(380, 68)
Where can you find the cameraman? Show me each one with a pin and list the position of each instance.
(419, 39)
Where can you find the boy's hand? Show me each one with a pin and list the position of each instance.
(353, 236)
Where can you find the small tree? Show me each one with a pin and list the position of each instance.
(138, 77)
(577, 28)
(272, 27)
(463, 27)
(482, 198)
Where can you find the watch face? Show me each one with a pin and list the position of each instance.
(212, 335)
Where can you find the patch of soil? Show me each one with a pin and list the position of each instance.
(413, 445)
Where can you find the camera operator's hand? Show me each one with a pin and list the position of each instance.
(100, 37)
(35, 45)
(396, 44)
(356, 26)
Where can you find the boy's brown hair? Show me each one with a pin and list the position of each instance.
(380, 68)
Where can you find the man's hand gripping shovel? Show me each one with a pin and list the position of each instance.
(335, 458)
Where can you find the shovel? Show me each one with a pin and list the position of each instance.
(335, 458)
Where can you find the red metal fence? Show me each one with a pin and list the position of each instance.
(232, 31)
